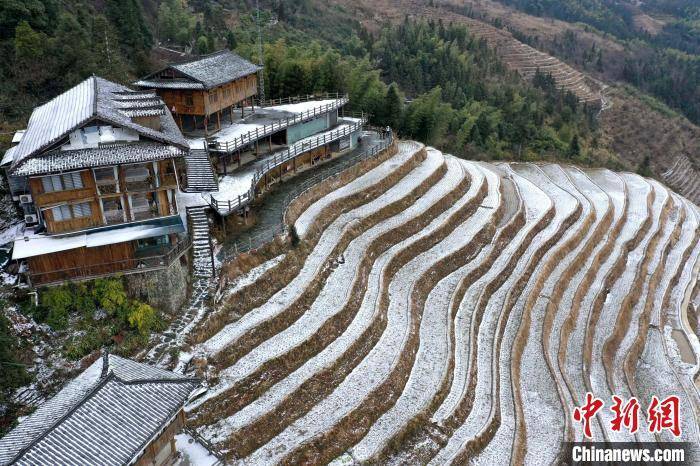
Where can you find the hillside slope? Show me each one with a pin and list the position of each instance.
(447, 310)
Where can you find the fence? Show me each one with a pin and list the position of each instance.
(299, 99)
(278, 125)
(267, 236)
(227, 206)
(206, 444)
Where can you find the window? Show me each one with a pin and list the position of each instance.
(68, 212)
(82, 210)
(189, 100)
(61, 212)
(213, 97)
(64, 182)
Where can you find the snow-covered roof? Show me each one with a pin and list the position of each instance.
(204, 72)
(38, 244)
(17, 137)
(59, 161)
(8, 157)
(94, 99)
(106, 415)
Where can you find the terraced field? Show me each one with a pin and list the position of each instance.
(440, 311)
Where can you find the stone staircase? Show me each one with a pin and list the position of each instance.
(203, 273)
(203, 256)
(201, 176)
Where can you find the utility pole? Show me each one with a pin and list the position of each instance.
(261, 73)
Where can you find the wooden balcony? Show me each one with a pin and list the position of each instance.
(145, 261)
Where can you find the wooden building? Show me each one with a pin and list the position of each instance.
(116, 412)
(97, 172)
(203, 91)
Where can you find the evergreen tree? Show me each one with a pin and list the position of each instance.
(393, 107)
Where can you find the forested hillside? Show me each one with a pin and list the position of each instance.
(460, 96)
(661, 39)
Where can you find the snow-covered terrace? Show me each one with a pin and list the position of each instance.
(265, 121)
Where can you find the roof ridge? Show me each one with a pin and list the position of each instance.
(101, 383)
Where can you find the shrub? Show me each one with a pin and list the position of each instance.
(57, 302)
(142, 317)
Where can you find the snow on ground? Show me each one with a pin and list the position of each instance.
(372, 177)
(302, 107)
(432, 358)
(382, 357)
(483, 408)
(655, 257)
(193, 453)
(638, 189)
(594, 204)
(240, 182)
(363, 319)
(335, 295)
(251, 276)
(314, 261)
(603, 204)
(8, 235)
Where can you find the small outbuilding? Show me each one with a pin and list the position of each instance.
(116, 412)
(202, 91)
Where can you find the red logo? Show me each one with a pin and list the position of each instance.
(661, 415)
(626, 416)
(586, 412)
(664, 415)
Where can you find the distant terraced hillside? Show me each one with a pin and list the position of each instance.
(518, 56)
(439, 310)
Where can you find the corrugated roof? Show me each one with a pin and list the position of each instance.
(209, 71)
(93, 99)
(98, 419)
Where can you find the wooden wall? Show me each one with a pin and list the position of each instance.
(88, 193)
(168, 436)
(198, 102)
(167, 176)
(65, 265)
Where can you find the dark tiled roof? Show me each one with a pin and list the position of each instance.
(61, 161)
(94, 99)
(102, 417)
(205, 72)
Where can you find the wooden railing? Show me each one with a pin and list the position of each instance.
(88, 272)
(300, 98)
(264, 237)
(230, 205)
(277, 125)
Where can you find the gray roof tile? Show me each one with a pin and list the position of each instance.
(204, 72)
(99, 420)
(93, 99)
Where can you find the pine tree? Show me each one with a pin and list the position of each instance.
(393, 107)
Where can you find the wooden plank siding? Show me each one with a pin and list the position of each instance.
(87, 193)
(205, 103)
(64, 265)
(167, 180)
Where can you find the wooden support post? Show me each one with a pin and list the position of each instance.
(230, 109)
(294, 161)
(270, 143)
(179, 117)
(218, 119)
(224, 160)
(223, 225)
(257, 151)
(242, 109)
(206, 126)
(239, 158)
